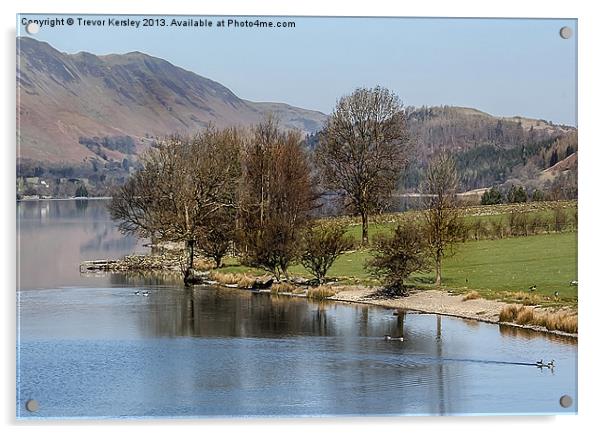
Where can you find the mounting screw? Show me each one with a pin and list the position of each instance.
(32, 28)
(566, 401)
(566, 32)
(32, 405)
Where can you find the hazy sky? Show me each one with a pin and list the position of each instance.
(503, 67)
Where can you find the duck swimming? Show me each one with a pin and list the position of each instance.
(389, 338)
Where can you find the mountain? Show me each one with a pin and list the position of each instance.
(73, 108)
(84, 119)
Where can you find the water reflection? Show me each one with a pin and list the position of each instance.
(88, 346)
(53, 237)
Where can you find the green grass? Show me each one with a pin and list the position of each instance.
(497, 269)
(494, 267)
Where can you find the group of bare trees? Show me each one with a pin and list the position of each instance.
(254, 192)
(185, 185)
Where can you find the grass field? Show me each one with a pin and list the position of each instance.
(498, 269)
(502, 269)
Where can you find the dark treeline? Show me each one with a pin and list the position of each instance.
(487, 150)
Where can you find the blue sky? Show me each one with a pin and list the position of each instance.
(501, 66)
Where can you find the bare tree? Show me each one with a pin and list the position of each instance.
(277, 196)
(183, 183)
(363, 149)
(442, 216)
(322, 244)
(215, 239)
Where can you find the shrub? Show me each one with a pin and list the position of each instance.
(498, 229)
(492, 197)
(537, 196)
(519, 223)
(322, 245)
(517, 194)
(397, 256)
(559, 218)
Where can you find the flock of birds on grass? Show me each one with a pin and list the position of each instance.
(556, 293)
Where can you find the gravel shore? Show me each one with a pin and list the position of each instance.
(435, 302)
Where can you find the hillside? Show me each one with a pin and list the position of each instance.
(489, 150)
(76, 107)
(85, 119)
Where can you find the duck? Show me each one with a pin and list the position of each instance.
(551, 364)
(540, 364)
(137, 293)
(533, 288)
(389, 338)
(145, 294)
(556, 294)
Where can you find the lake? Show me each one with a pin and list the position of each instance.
(89, 347)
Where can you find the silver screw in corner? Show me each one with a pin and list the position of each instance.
(566, 401)
(32, 405)
(566, 32)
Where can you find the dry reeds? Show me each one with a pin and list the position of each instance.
(241, 280)
(472, 295)
(283, 287)
(526, 298)
(320, 293)
(562, 321)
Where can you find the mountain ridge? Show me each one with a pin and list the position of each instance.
(63, 97)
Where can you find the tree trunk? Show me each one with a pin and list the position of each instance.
(364, 228)
(189, 270)
(438, 269)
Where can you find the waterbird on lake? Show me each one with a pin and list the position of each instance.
(533, 288)
(389, 338)
(556, 294)
(137, 293)
(145, 294)
(541, 364)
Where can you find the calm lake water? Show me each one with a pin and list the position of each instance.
(89, 347)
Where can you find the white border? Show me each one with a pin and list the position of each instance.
(590, 100)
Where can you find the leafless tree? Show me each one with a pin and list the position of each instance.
(276, 198)
(183, 183)
(215, 239)
(443, 224)
(363, 149)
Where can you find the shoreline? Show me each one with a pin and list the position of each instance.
(426, 301)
